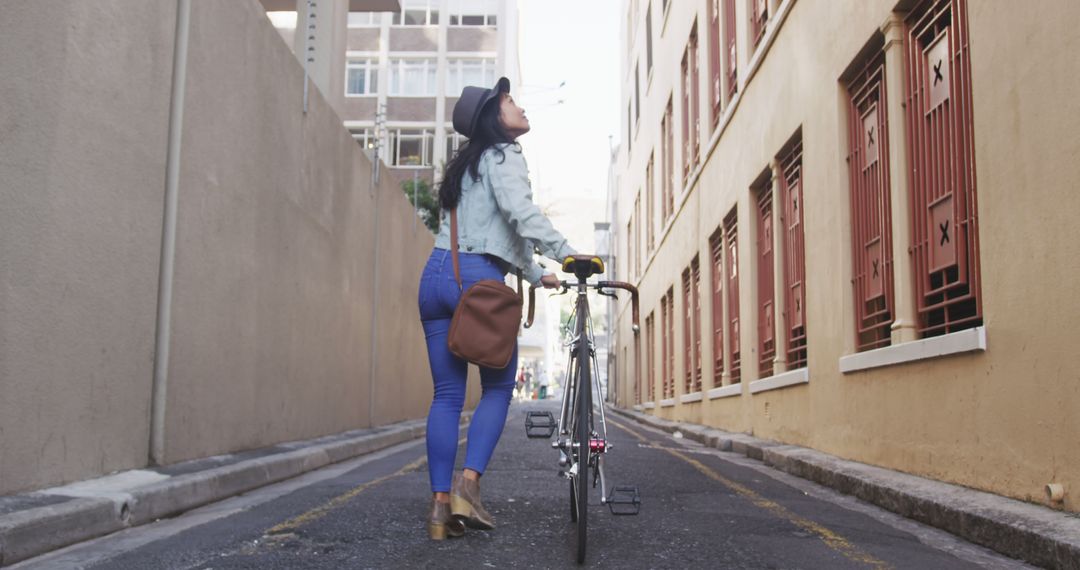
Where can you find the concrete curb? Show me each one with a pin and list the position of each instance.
(1035, 534)
(32, 532)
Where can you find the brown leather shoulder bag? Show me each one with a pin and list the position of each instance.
(485, 324)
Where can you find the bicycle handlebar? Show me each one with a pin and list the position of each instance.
(633, 298)
(532, 306)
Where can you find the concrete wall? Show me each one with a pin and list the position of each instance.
(83, 128)
(1004, 420)
(283, 247)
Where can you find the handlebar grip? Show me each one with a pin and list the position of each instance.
(532, 306)
(633, 298)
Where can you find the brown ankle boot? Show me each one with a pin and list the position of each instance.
(442, 524)
(465, 504)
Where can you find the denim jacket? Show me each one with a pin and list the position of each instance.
(496, 216)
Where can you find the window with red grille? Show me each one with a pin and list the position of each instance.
(716, 253)
(715, 75)
(650, 200)
(695, 295)
(688, 334)
(663, 347)
(731, 241)
(667, 199)
(871, 215)
(691, 131)
(637, 235)
(692, 326)
(766, 305)
(631, 255)
(759, 17)
(669, 313)
(794, 254)
(650, 350)
(637, 368)
(944, 230)
(731, 76)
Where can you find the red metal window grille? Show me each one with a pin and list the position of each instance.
(765, 284)
(650, 201)
(732, 75)
(695, 325)
(664, 379)
(688, 333)
(871, 214)
(731, 240)
(637, 236)
(668, 173)
(715, 75)
(691, 132)
(637, 368)
(650, 366)
(944, 230)
(648, 37)
(716, 251)
(671, 342)
(794, 256)
(759, 17)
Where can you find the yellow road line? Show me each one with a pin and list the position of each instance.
(321, 511)
(830, 538)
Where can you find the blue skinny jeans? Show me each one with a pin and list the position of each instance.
(438, 297)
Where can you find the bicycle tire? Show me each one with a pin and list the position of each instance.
(573, 504)
(582, 435)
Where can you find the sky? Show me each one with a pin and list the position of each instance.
(568, 148)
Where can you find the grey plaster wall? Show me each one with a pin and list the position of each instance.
(284, 248)
(84, 88)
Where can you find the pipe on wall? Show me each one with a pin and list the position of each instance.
(168, 237)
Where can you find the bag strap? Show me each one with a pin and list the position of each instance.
(454, 256)
(453, 246)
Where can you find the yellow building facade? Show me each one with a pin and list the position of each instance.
(851, 228)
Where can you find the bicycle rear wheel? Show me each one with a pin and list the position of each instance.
(583, 433)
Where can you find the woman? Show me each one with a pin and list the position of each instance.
(498, 228)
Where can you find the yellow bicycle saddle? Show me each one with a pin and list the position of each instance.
(583, 265)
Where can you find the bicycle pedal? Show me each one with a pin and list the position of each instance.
(624, 501)
(540, 425)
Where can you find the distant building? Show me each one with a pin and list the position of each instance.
(410, 64)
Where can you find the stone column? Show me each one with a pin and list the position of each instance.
(904, 310)
(779, 224)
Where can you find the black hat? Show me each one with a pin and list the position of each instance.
(472, 101)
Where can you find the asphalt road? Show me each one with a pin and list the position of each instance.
(701, 508)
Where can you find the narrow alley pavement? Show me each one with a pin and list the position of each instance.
(701, 508)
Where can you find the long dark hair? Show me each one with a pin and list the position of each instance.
(489, 133)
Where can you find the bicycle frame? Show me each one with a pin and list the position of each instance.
(598, 441)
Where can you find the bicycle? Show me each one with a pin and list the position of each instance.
(581, 446)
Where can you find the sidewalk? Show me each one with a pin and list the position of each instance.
(1032, 533)
(34, 523)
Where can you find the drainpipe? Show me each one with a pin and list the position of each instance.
(374, 313)
(168, 237)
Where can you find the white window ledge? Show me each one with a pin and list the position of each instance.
(667, 403)
(638, 407)
(687, 398)
(971, 340)
(648, 405)
(800, 376)
(726, 391)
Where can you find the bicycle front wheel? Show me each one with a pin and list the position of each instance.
(583, 433)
